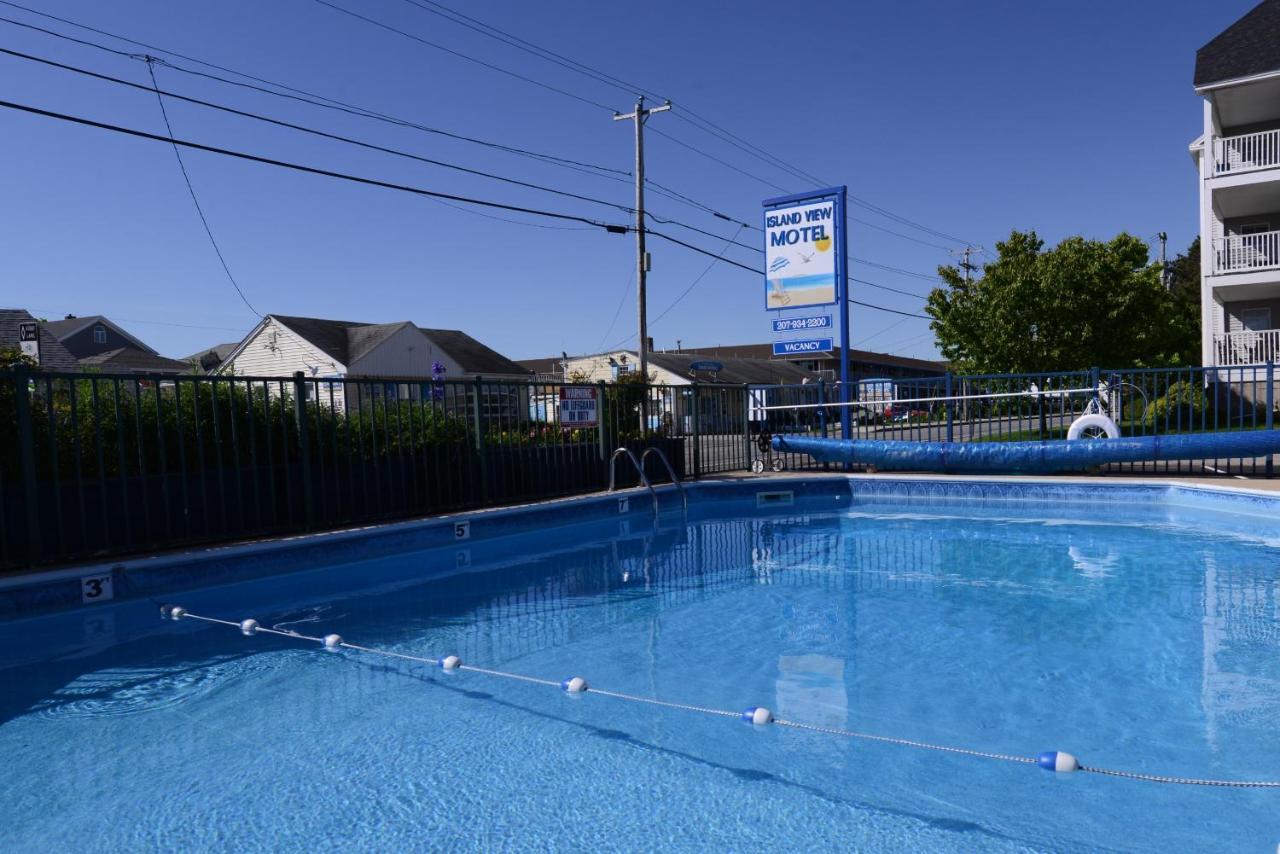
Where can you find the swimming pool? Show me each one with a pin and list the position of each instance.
(1135, 626)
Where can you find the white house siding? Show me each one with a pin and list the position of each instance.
(407, 353)
(276, 351)
(598, 369)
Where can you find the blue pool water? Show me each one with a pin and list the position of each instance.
(1139, 635)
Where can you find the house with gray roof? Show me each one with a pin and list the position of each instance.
(281, 345)
(92, 335)
(100, 344)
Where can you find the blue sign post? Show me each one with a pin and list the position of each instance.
(806, 265)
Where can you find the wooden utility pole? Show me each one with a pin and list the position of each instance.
(642, 257)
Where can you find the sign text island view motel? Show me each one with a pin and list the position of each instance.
(805, 258)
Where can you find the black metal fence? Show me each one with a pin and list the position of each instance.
(100, 464)
(1032, 407)
(94, 465)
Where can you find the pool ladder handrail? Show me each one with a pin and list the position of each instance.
(671, 472)
(613, 470)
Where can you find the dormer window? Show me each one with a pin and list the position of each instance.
(99, 334)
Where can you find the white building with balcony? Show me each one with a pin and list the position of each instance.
(1238, 156)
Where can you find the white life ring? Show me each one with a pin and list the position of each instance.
(1100, 422)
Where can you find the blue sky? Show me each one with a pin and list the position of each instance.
(968, 118)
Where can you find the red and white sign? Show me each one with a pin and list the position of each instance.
(579, 407)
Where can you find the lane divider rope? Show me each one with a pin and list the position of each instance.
(1052, 760)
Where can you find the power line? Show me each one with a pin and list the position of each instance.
(617, 311)
(361, 112)
(900, 271)
(887, 288)
(597, 75)
(714, 260)
(757, 249)
(724, 136)
(241, 330)
(333, 103)
(312, 170)
(723, 163)
(890, 310)
(313, 131)
(461, 55)
(303, 96)
(898, 233)
(694, 283)
(730, 261)
(865, 341)
(177, 152)
(476, 25)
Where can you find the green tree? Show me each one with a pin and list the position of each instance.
(1184, 288)
(1081, 303)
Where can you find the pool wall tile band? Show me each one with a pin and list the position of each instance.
(158, 575)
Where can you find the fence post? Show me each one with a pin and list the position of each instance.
(1271, 411)
(746, 426)
(600, 436)
(697, 433)
(304, 453)
(822, 409)
(27, 457)
(951, 410)
(477, 425)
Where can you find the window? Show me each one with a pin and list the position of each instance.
(1255, 228)
(1255, 319)
(621, 370)
(99, 334)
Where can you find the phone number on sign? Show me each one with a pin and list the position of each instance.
(792, 324)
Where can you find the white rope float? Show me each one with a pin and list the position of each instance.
(1052, 760)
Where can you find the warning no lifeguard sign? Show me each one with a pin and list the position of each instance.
(579, 407)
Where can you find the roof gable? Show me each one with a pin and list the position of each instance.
(329, 336)
(363, 340)
(67, 327)
(1249, 47)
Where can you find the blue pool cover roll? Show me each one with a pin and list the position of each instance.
(1032, 457)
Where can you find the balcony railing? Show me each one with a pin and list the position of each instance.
(1243, 253)
(1246, 153)
(1247, 348)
